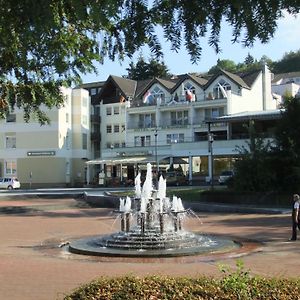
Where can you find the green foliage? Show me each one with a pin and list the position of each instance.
(45, 44)
(288, 144)
(272, 167)
(237, 282)
(225, 64)
(289, 63)
(253, 171)
(250, 64)
(143, 70)
(233, 285)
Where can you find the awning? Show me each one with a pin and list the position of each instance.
(126, 160)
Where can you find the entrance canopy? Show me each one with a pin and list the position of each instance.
(127, 160)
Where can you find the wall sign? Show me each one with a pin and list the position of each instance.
(41, 153)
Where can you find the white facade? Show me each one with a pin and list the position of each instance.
(286, 84)
(48, 155)
(173, 123)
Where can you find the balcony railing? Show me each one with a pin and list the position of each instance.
(141, 125)
(95, 119)
(171, 101)
(96, 136)
(173, 123)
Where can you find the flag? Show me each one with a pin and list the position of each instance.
(148, 98)
(189, 96)
(222, 91)
(182, 90)
(122, 99)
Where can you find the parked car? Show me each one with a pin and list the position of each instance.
(9, 183)
(176, 178)
(225, 176)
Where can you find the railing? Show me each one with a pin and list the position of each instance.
(95, 136)
(141, 125)
(169, 123)
(95, 119)
(171, 101)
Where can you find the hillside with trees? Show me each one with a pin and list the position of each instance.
(290, 62)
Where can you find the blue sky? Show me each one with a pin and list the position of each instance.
(286, 39)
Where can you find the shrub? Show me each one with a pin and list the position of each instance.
(234, 285)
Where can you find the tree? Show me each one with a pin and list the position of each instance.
(288, 144)
(249, 60)
(143, 70)
(46, 44)
(253, 171)
(225, 64)
(272, 167)
(289, 63)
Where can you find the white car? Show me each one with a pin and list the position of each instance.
(9, 183)
(225, 176)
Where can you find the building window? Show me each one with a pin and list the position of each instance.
(116, 128)
(84, 101)
(67, 100)
(67, 118)
(84, 141)
(93, 91)
(214, 112)
(108, 129)
(158, 95)
(10, 167)
(108, 111)
(189, 92)
(67, 141)
(11, 118)
(116, 145)
(219, 90)
(175, 138)
(142, 141)
(116, 110)
(179, 118)
(84, 119)
(147, 120)
(67, 168)
(10, 142)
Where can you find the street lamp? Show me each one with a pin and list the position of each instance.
(210, 150)
(156, 157)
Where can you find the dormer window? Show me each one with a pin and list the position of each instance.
(154, 96)
(189, 92)
(158, 95)
(219, 90)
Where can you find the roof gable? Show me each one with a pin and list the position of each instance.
(233, 77)
(124, 87)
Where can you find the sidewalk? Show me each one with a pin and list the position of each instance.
(32, 269)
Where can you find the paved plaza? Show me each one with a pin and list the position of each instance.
(34, 262)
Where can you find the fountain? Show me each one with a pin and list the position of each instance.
(150, 226)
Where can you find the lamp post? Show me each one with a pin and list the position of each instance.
(210, 150)
(156, 157)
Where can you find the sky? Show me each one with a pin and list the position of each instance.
(286, 39)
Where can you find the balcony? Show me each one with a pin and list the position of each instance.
(95, 136)
(142, 125)
(95, 119)
(173, 123)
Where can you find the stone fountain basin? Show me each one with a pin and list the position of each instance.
(133, 244)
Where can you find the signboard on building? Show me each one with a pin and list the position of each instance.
(41, 153)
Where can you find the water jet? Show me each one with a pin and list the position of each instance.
(151, 226)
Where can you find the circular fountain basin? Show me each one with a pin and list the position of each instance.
(151, 244)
